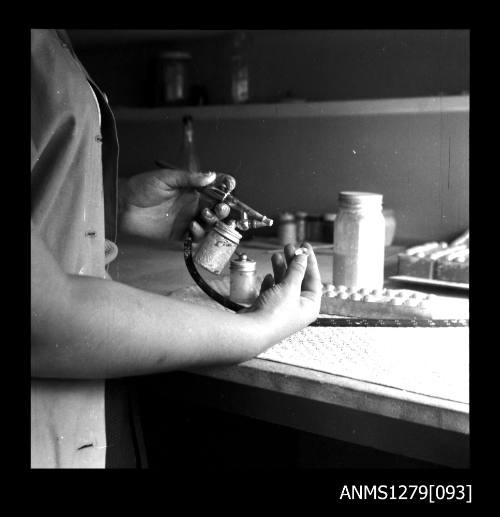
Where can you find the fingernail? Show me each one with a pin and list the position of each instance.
(208, 173)
(301, 251)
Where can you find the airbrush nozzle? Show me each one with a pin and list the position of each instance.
(261, 224)
(252, 214)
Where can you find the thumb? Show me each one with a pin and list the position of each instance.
(295, 272)
(184, 179)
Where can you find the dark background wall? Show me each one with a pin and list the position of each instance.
(419, 161)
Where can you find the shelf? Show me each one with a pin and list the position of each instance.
(417, 105)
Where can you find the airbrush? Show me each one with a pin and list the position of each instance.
(215, 251)
(220, 243)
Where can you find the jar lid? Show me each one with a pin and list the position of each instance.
(350, 199)
(329, 216)
(229, 231)
(313, 217)
(242, 263)
(170, 54)
(301, 215)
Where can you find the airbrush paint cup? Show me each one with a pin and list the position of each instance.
(217, 248)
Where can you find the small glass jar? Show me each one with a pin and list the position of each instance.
(174, 78)
(217, 247)
(358, 249)
(286, 229)
(328, 225)
(300, 221)
(242, 280)
(314, 228)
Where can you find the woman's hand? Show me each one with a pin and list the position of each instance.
(290, 299)
(161, 204)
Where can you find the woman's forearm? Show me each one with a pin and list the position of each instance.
(107, 329)
(86, 327)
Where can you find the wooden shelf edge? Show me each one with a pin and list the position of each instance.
(414, 105)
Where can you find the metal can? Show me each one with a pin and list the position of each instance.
(242, 280)
(216, 249)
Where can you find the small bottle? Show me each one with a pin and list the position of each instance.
(286, 229)
(216, 249)
(300, 221)
(239, 69)
(358, 250)
(314, 228)
(188, 158)
(328, 224)
(242, 280)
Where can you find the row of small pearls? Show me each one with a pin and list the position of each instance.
(395, 296)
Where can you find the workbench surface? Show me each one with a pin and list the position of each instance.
(430, 423)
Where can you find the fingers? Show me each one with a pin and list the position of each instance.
(226, 181)
(197, 231)
(175, 178)
(279, 267)
(208, 216)
(267, 283)
(312, 278)
(222, 210)
(289, 253)
(296, 270)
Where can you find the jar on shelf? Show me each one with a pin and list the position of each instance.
(239, 68)
(174, 78)
(358, 249)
